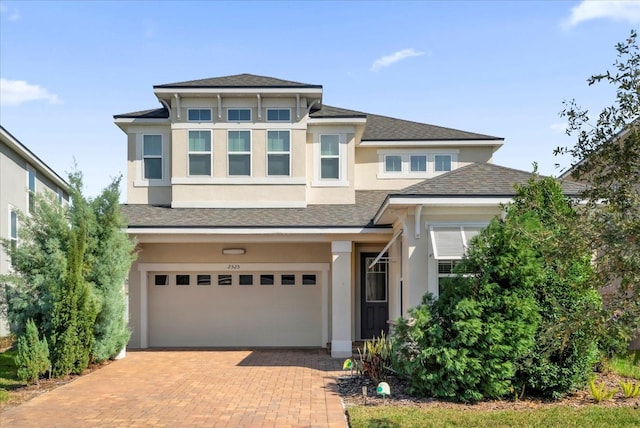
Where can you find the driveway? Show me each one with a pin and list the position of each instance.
(204, 388)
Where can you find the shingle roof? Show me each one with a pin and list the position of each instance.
(239, 81)
(359, 214)
(478, 179)
(157, 113)
(384, 128)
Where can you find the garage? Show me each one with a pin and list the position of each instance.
(236, 306)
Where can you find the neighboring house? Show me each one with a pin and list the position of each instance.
(266, 218)
(22, 174)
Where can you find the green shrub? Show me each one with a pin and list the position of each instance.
(375, 360)
(601, 392)
(630, 389)
(32, 358)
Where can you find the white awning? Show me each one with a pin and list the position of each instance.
(384, 250)
(451, 242)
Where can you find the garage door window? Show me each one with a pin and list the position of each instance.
(246, 279)
(182, 279)
(161, 280)
(288, 279)
(224, 279)
(204, 279)
(266, 279)
(308, 280)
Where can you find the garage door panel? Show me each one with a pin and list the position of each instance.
(236, 315)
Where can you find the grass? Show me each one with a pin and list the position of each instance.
(8, 374)
(625, 366)
(379, 417)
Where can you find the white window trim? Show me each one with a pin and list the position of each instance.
(140, 181)
(200, 108)
(406, 154)
(266, 115)
(466, 230)
(240, 108)
(342, 181)
(267, 153)
(29, 192)
(12, 209)
(250, 153)
(210, 153)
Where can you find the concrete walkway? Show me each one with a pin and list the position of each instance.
(263, 388)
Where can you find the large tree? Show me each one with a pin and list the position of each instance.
(606, 156)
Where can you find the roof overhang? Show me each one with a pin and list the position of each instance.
(168, 92)
(32, 159)
(394, 202)
(336, 120)
(124, 122)
(496, 144)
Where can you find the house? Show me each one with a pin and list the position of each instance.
(265, 217)
(22, 174)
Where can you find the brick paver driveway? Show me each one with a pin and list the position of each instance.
(204, 388)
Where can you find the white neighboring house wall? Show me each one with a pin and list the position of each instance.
(17, 163)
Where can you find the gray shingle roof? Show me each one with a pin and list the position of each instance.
(478, 179)
(157, 113)
(359, 214)
(239, 81)
(335, 112)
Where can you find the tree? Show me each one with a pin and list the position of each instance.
(70, 267)
(32, 358)
(606, 156)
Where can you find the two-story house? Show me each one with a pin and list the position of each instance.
(22, 175)
(266, 218)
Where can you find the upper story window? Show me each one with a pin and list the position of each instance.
(329, 157)
(152, 157)
(278, 115)
(278, 153)
(13, 228)
(442, 163)
(393, 163)
(199, 152)
(239, 115)
(199, 115)
(31, 182)
(239, 152)
(418, 163)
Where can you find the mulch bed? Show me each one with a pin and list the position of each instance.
(350, 389)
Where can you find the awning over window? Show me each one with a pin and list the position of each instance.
(451, 242)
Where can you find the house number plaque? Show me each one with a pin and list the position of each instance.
(233, 267)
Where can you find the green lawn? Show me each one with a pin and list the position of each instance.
(8, 374)
(380, 416)
(624, 366)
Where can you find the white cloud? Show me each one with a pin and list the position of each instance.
(386, 61)
(16, 92)
(11, 13)
(615, 10)
(558, 127)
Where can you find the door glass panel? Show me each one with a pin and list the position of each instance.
(376, 281)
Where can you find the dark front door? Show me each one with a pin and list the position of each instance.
(374, 295)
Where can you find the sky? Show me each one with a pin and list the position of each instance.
(501, 68)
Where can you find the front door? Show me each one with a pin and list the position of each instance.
(374, 296)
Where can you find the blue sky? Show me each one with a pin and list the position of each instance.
(500, 68)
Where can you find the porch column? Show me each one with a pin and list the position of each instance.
(143, 310)
(341, 299)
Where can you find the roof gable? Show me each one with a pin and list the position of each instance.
(239, 81)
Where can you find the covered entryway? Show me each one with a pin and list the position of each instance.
(236, 305)
(374, 279)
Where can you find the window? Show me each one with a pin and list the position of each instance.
(308, 279)
(182, 279)
(239, 115)
(204, 279)
(393, 163)
(445, 270)
(245, 279)
(13, 229)
(278, 153)
(239, 149)
(60, 196)
(330, 157)
(278, 115)
(152, 157)
(199, 152)
(418, 163)
(224, 279)
(31, 196)
(161, 280)
(266, 279)
(288, 279)
(442, 163)
(199, 115)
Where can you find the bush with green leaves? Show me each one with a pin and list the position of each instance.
(375, 358)
(32, 358)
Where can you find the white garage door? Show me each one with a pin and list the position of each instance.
(235, 309)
